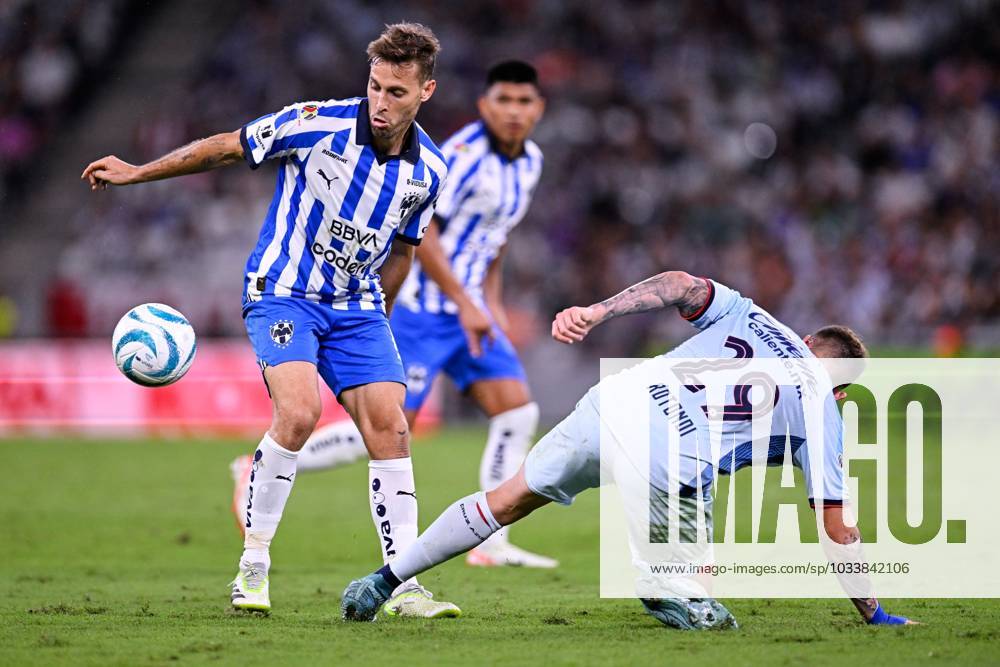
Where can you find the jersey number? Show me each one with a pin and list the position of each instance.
(742, 408)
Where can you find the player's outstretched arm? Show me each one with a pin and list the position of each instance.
(844, 546)
(670, 288)
(202, 155)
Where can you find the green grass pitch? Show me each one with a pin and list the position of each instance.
(121, 553)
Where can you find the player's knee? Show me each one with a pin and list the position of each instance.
(294, 423)
(387, 434)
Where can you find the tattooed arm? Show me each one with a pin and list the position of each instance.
(671, 288)
(202, 155)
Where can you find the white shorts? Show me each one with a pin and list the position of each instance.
(568, 459)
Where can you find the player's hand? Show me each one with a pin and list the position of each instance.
(477, 327)
(573, 324)
(109, 171)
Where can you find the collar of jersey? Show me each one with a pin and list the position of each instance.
(363, 136)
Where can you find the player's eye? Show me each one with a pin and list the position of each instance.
(397, 93)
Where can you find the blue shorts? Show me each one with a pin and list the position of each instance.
(349, 347)
(432, 342)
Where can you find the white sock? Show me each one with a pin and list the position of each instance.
(506, 446)
(333, 445)
(464, 525)
(393, 504)
(270, 483)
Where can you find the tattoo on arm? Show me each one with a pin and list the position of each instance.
(672, 288)
(200, 155)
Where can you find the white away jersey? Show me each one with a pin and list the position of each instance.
(485, 197)
(732, 326)
(338, 204)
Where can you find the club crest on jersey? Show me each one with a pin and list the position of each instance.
(309, 112)
(409, 201)
(281, 332)
(416, 378)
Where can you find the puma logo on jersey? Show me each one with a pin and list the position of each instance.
(329, 181)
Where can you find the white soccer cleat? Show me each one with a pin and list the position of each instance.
(415, 601)
(250, 588)
(507, 555)
(240, 468)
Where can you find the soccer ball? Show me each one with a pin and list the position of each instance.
(154, 345)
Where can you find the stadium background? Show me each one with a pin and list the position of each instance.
(878, 206)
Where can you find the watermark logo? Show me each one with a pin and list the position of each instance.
(758, 477)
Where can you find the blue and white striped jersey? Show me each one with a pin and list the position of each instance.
(338, 205)
(485, 197)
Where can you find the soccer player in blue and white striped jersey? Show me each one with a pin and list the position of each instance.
(450, 316)
(356, 187)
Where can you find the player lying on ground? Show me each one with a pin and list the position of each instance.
(567, 460)
(449, 315)
(355, 193)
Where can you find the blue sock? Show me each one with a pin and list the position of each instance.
(389, 579)
(881, 617)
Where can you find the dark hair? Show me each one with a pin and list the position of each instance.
(843, 341)
(512, 71)
(404, 43)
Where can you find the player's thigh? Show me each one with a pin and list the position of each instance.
(377, 410)
(294, 388)
(567, 460)
(284, 333)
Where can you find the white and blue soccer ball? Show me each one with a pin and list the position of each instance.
(154, 345)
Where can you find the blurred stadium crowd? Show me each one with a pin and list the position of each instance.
(868, 192)
(48, 51)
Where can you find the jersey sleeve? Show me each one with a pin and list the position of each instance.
(279, 134)
(413, 227)
(831, 488)
(721, 302)
(464, 161)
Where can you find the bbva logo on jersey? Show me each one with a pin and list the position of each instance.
(281, 332)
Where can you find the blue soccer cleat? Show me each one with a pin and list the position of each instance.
(363, 597)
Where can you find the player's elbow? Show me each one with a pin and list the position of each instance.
(676, 283)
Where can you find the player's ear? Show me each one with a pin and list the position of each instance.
(427, 90)
(808, 340)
